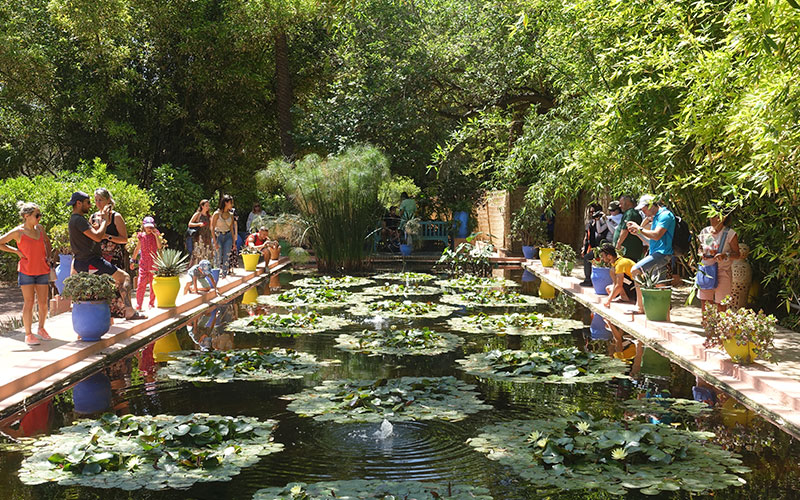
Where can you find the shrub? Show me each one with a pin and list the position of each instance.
(176, 195)
(390, 191)
(85, 287)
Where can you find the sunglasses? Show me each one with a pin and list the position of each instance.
(38, 215)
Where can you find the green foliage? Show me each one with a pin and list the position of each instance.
(741, 325)
(467, 258)
(407, 277)
(317, 297)
(272, 365)
(86, 287)
(332, 282)
(564, 258)
(175, 195)
(515, 324)
(528, 227)
(401, 290)
(377, 489)
(411, 341)
(287, 324)
(390, 191)
(485, 297)
(402, 309)
(59, 239)
(470, 282)
(170, 262)
(652, 278)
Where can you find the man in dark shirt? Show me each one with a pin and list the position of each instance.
(84, 241)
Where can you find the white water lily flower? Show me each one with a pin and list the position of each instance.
(296, 490)
(619, 454)
(583, 427)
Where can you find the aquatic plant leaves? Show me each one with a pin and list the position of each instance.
(487, 297)
(399, 399)
(578, 452)
(407, 277)
(399, 342)
(402, 309)
(561, 365)
(287, 324)
(373, 490)
(152, 452)
(470, 282)
(271, 365)
(312, 297)
(401, 290)
(332, 281)
(514, 324)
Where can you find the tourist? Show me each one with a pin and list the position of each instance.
(614, 217)
(261, 242)
(719, 244)
(84, 239)
(201, 278)
(629, 247)
(407, 208)
(112, 247)
(660, 236)
(390, 230)
(200, 227)
(148, 246)
(225, 233)
(33, 272)
(256, 212)
(622, 279)
(595, 231)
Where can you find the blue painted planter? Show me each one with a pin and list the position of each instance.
(528, 276)
(62, 270)
(598, 328)
(601, 278)
(91, 320)
(462, 221)
(93, 394)
(406, 249)
(529, 252)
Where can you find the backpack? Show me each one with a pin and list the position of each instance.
(682, 239)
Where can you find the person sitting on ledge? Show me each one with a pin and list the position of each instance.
(261, 242)
(621, 276)
(201, 278)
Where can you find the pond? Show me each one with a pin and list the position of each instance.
(435, 405)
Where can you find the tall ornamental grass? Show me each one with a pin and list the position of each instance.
(338, 198)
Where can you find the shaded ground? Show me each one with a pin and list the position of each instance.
(10, 302)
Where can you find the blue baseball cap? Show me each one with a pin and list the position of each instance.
(76, 197)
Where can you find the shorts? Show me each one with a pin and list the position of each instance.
(629, 287)
(38, 279)
(102, 265)
(657, 261)
(717, 295)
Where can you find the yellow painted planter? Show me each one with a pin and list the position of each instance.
(735, 414)
(546, 256)
(250, 296)
(546, 290)
(250, 261)
(743, 353)
(166, 289)
(164, 346)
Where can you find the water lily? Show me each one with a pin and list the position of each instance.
(619, 454)
(296, 490)
(583, 427)
(534, 436)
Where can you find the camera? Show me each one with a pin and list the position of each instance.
(597, 215)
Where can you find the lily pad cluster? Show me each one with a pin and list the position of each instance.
(563, 365)
(332, 281)
(470, 282)
(488, 297)
(401, 290)
(152, 452)
(247, 364)
(578, 452)
(360, 489)
(309, 297)
(407, 277)
(400, 399)
(287, 324)
(515, 324)
(666, 409)
(412, 341)
(403, 309)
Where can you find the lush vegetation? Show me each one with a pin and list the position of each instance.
(484, 297)
(309, 297)
(401, 290)
(407, 277)
(273, 365)
(332, 281)
(287, 324)
(404, 309)
(515, 324)
(470, 282)
(410, 341)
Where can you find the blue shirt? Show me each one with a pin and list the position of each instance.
(663, 218)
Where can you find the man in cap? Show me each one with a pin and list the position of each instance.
(84, 241)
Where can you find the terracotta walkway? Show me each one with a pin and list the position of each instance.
(771, 388)
(31, 373)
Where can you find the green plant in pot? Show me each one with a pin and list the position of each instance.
(528, 227)
(656, 294)
(564, 257)
(90, 295)
(743, 333)
(59, 241)
(169, 264)
(412, 228)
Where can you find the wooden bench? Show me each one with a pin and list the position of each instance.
(430, 230)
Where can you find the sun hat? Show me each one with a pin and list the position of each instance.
(645, 201)
(614, 205)
(148, 222)
(76, 197)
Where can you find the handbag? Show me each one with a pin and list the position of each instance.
(191, 232)
(706, 278)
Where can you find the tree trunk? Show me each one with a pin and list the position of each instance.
(283, 94)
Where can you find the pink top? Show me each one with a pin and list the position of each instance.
(34, 262)
(149, 247)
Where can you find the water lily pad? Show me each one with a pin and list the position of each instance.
(402, 309)
(271, 365)
(154, 452)
(287, 324)
(562, 365)
(312, 297)
(332, 281)
(492, 298)
(373, 490)
(400, 399)
(578, 452)
(470, 282)
(515, 324)
(401, 290)
(399, 342)
(406, 277)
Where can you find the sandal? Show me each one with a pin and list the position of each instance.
(42, 334)
(136, 316)
(31, 340)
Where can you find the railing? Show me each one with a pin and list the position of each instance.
(430, 230)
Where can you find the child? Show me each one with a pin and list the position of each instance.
(148, 245)
(202, 279)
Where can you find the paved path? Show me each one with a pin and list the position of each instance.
(10, 302)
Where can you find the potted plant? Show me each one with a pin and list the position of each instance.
(564, 258)
(90, 295)
(743, 333)
(169, 264)
(59, 240)
(528, 227)
(656, 294)
(601, 273)
(250, 257)
(412, 228)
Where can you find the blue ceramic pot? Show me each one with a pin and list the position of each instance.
(215, 274)
(62, 270)
(601, 278)
(462, 221)
(528, 276)
(598, 328)
(406, 249)
(529, 252)
(92, 395)
(91, 320)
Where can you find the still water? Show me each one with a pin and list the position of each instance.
(423, 451)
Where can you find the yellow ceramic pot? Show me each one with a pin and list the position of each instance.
(166, 289)
(250, 261)
(740, 353)
(546, 256)
(250, 296)
(546, 290)
(165, 345)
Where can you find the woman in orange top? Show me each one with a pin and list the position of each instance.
(33, 247)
